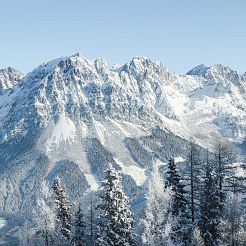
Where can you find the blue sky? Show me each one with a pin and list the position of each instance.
(179, 33)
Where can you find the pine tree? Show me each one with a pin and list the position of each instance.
(115, 220)
(193, 176)
(179, 202)
(158, 220)
(79, 230)
(225, 156)
(173, 180)
(210, 209)
(63, 225)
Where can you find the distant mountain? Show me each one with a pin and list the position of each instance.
(73, 118)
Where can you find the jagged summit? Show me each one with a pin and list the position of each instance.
(224, 71)
(222, 76)
(9, 77)
(141, 62)
(143, 67)
(50, 65)
(198, 70)
(216, 69)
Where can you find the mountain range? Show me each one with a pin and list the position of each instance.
(73, 118)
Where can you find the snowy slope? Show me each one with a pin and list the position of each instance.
(73, 118)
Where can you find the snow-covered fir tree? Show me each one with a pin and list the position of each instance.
(158, 219)
(232, 227)
(45, 221)
(225, 155)
(210, 209)
(197, 239)
(179, 203)
(44, 217)
(63, 216)
(115, 222)
(79, 238)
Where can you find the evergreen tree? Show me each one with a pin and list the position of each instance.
(210, 209)
(225, 156)
(91, 220)
(79, 229)
(45, 221)
(63, 225)
(179, 202)
(158, 220)
(232, 226)
(115, 220)
(193, 176)
(197, 239)
(43, 217)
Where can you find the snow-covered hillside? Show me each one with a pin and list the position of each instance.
(73, 118)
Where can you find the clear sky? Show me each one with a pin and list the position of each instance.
(179, 33)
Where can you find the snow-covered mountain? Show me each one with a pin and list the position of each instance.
(9, 77)
(73, 117)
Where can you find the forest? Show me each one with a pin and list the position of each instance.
(201, 205)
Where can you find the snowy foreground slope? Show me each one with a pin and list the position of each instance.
(73, 118)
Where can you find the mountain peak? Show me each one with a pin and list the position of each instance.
(221, 69)
(139, 65)
(9, 77)
(145, 61)
(217, 73)
(78, 54)
(198, 70)
(51, 64)
(215, 69)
